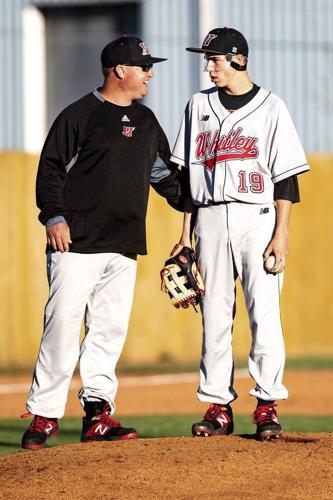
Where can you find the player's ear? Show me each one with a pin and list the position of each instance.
(239, 62)
(119, 71)
(239, 59)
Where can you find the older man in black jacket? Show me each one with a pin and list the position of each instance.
(99, 159)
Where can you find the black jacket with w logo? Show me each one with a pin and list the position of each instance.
(95, 170)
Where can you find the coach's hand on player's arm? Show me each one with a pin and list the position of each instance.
(58, 236)
(278, 246)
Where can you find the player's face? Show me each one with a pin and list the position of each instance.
(219, 69)
(137, 79)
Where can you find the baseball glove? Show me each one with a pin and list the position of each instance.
(180, 278)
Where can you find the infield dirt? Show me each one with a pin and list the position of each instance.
(297, 466)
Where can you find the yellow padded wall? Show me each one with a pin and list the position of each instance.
(157, 330)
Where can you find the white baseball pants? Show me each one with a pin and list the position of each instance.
(100, 288)
(230, 241)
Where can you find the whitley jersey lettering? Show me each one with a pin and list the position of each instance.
(237, 156)
(214, 148)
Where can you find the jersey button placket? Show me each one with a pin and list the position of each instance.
(220, 170)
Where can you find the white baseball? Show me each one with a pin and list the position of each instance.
(269, 262)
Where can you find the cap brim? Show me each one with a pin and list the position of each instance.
(203, 51)
(194, 49)
(155, 60)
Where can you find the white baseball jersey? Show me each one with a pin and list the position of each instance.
(237, 156)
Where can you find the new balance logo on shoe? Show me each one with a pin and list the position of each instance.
(222, 419)
(49, 427)
(101, 429)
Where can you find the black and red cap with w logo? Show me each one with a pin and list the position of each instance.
(223, 41)
(127, 50)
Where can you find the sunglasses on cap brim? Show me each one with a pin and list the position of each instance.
(144, 67)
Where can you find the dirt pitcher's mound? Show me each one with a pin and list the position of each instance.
(297, 466)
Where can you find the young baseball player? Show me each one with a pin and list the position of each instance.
(98, 161)
(243, 155)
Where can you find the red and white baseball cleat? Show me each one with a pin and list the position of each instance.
(98, 425)
(218, 421)
(38, 432)
(268, 425)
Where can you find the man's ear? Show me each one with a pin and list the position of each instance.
(119, 71)
(240, 59)
(239, 62)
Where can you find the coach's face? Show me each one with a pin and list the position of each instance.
(136, 81)
(219, 69)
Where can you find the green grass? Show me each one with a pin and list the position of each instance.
(154, 427)
(166, 365)
(321, 363)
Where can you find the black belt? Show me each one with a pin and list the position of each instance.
(213, 203)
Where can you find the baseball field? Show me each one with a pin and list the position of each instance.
(166, 462)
